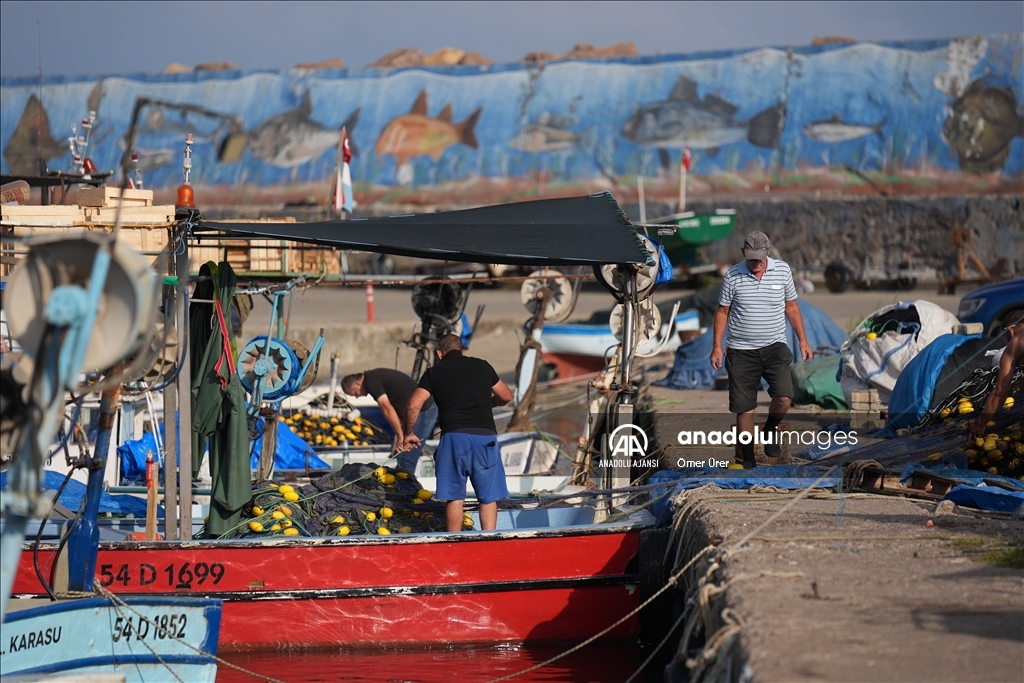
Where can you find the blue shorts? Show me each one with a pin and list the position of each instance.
(474, 456)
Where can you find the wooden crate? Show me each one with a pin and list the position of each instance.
(84, 216)
(145, 229)
(108, 197)
(245, 256)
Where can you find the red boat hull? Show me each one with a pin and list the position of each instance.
(524, 586)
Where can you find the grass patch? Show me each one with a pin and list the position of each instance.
(853, 323)
(1011, 557)
(968, 543)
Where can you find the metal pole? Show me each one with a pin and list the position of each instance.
(640, 199)
(172, 431)
(682, 186)
(628, 323)
(620, 471)
(84, 540)
(184, 393)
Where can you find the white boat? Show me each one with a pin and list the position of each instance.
(597, 339)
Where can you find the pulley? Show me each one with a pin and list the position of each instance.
(615, 276)
(551, 287)
(443, 301)
(646, 323)
(268, 373)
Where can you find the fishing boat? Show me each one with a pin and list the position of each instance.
(557, 570)
(580, 349)
(684, 236)
(544, 575)
(81, 302)
(141, 638)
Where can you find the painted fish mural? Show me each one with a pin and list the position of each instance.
(933, 112)
(416, 134)
(836, 130)
(31, 140)
(291, 139)
(551, 133)
(981, 124)
(685, 120)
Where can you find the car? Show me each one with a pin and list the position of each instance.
(990, 305)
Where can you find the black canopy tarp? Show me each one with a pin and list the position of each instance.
(571, 231)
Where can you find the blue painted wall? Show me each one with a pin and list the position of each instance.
(874, 107)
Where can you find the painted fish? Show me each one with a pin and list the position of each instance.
(416, 134)
(31, 140)
(291, 139)
(835, 130)
(981, 124)
(684, 120)
(157, 123)
(152, 159)
(550, 134)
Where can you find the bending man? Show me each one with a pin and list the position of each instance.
(757, 297)
(392, 390)
(464, 390)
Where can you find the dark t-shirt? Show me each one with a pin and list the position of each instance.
(461, 388)
(397, 385)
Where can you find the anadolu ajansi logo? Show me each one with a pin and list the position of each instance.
(627, 444)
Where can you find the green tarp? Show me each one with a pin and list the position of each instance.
(815, 382)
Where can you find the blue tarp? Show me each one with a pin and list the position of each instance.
(779, 476)
(986, 498)
(290, 453)
(74, 493)
(692, 368)
(132, 455)
(912, 395)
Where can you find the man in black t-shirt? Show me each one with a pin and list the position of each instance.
(392, 390)
(464, 390)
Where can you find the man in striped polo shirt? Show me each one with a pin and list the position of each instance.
(757, 297)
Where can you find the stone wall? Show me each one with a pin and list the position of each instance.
(812, 232)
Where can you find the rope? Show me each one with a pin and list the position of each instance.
(119, 604)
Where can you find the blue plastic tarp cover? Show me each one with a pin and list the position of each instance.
(290, 454)
(779, 476)
(74, 494)
(985, 497)
(692, 367)
(912, 395)
(132, 455)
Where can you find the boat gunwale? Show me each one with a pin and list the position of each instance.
(370, 540)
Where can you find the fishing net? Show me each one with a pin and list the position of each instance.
(1001, 449)
(943, 432)
(320, 430)
(356, 499)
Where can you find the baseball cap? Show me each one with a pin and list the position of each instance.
(756, 246)
(1015, 318)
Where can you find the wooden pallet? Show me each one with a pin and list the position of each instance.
(922, 484)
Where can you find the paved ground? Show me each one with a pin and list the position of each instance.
(868, 588)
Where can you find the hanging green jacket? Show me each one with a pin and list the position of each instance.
(218, 404)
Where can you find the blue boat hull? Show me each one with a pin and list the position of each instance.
(145, 640)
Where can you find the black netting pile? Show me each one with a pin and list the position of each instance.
(356, 499)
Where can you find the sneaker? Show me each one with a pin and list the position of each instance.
(773, 450)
